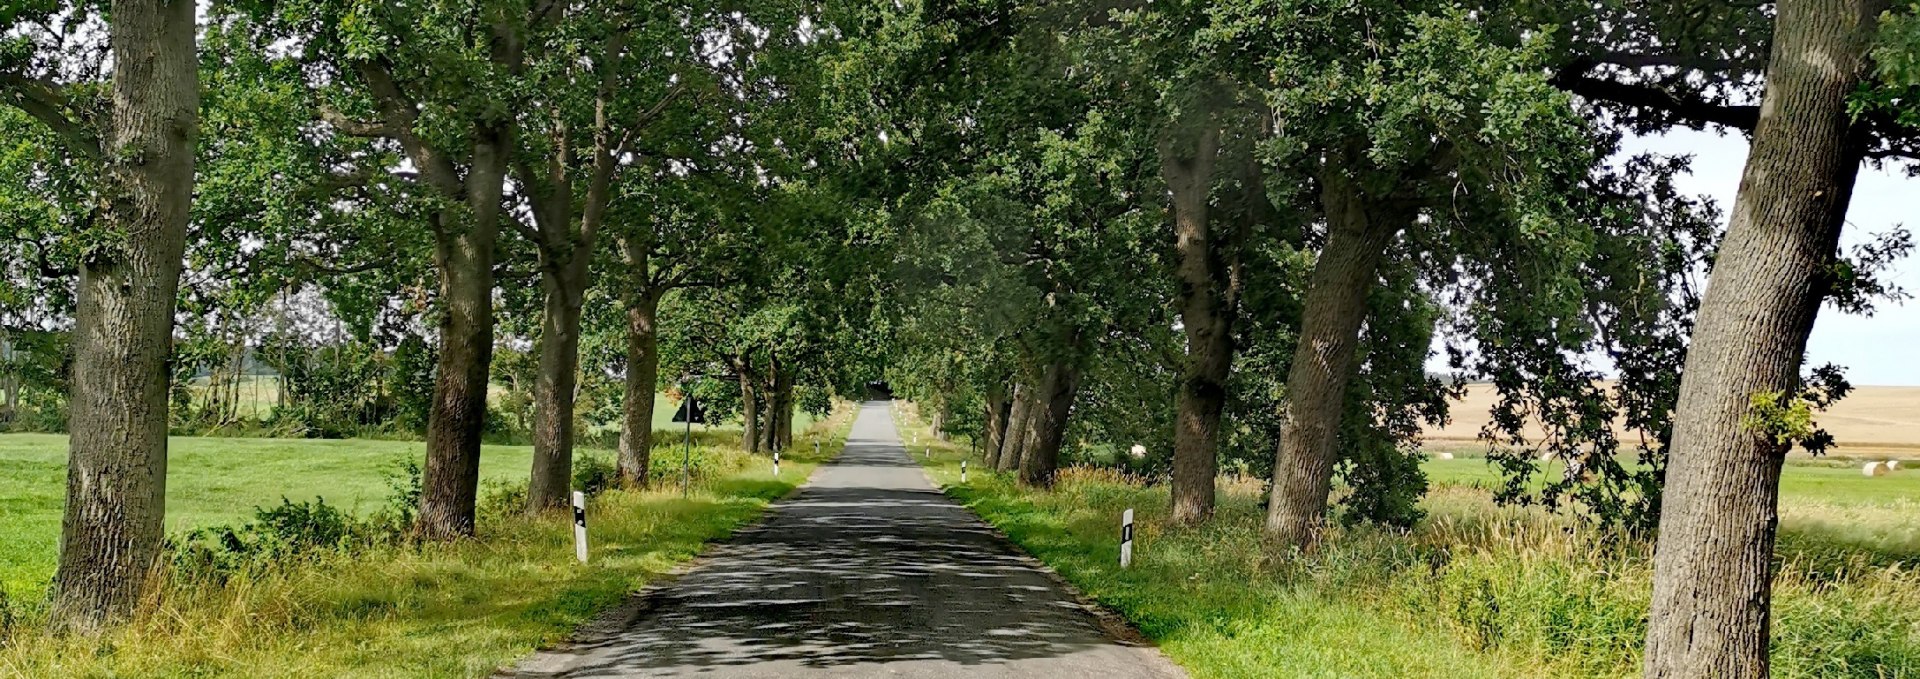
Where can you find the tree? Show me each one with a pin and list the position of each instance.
(1385, 157)
(1713, 560)
(446, 95)
(601, 103)
(143, 141)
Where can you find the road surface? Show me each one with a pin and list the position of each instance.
(867, 572)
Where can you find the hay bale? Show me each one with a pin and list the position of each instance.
(1874, 469)
(1893, 465)
(1443, 456)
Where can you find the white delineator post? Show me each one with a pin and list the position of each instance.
(580, 525)
(776, 463)
(1126, 539)
(963, 471)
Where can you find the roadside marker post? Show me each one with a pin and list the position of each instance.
(1126, 539)
(580, 525)
(963, 471)
(776, 463)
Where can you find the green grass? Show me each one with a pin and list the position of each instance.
(1801, 481)
(1474, 591)
(452, 610)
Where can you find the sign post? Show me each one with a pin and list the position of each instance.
(1126, 539)
(580, 525)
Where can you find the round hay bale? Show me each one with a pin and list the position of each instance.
(1893, 465)
(1874, 469)
(1443, 456)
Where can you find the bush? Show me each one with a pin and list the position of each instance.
(500, 500)
(592, 474)
(405, 485)
(276, 537)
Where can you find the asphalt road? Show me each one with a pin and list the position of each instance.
(866, 572)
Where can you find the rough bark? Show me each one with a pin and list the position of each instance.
(9, 382)
(785, 412)
(770, 406)
(117, 459)
(1017, 419)
(1712, 577)
(998, 406)
(451, 480)
(1206, 314)
(554, 390)
(643, 373)
(750, 407)
(1054, 401)
(1358, 232)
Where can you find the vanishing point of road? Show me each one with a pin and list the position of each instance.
(868, 571)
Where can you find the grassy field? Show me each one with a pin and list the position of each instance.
(444, 610)
(1473, 591)
(213, 480)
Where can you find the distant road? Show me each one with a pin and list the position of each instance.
(868, 572)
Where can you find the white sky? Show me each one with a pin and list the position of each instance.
(1880, 350)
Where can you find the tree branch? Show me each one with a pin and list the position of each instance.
(43, 100)
(1575, 79)
(354, 128)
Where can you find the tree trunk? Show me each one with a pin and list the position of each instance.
(1712, 579)
(1053, 402)
(643, 374)
(785, 411)
(1206, 314)
(9, 378)
(1017, 427)
(123, 322)
(750, 407)
(996, 418)
(550, 482)
(1336, 305)
(463, 252)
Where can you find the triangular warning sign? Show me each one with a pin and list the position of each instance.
(699, 413)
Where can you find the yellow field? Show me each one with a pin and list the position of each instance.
(1871, 422)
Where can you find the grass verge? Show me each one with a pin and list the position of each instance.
(461, 609)
(1474, 591)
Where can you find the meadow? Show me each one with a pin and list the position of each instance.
(1475, 590)
(387, 610)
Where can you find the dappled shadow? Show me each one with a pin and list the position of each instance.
(867, 565)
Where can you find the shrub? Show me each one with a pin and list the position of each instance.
(404, 488)
(592, 474)
(500, 500)
(277, 536)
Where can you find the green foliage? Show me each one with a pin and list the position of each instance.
(593, 474)
(1786, 418)
(277, 537)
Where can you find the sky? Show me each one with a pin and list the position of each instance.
(1880, 350)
